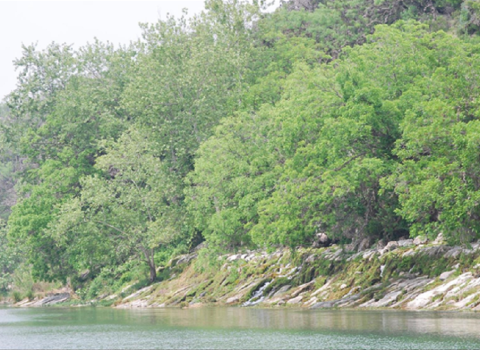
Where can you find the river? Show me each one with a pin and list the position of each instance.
(235, 328)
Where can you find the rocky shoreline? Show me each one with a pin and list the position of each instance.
(404, 274)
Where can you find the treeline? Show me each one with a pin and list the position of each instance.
(243, 128)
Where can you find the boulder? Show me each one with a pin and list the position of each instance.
(420, 240)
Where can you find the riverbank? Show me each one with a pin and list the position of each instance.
(405, 274)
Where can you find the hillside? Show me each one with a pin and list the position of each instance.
(248, 131)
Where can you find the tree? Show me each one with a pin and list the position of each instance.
(74, 104)
(437, 177)
(134, 209)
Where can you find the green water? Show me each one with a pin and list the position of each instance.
(235, 328)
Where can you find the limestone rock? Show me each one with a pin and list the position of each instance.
(185, 259)
(233, 257)
(51, 300)
(234, 299)
(423, 299)
(445, 275)
(295, 300)
(324, 304)
(282, 290)
(388, 299)
(420, 240)
(405, 242)
(301, 288)
(392, 245)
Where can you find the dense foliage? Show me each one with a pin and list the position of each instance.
(244, 128)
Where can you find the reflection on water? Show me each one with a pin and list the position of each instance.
(235, 328)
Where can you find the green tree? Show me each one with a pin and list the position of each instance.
(73, 110)
(134, 210)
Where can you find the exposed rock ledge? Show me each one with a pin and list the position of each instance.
(52, 299)
(401, 275)
(405, 274)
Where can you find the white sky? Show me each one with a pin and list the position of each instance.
(74, 22)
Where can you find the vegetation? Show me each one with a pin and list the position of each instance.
(244, 129)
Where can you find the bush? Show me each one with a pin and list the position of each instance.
(17, 297)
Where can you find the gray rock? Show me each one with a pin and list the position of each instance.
(409, 252)
(387, 299)
(445, 275)
(282, 290)
(324, 304)
(233, 257)
(434, 252)
(233, 299)
(301, 288)
(295, 300)
(405, 242)
(347, 300)
(53, 299)
(392, 245)
(420, 240)
(186, 259)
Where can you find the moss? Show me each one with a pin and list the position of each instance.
(380, 293)
(437, 297)
(369, 293)
(277, 283)
(232, 277)
(320, 282)
(163, 274)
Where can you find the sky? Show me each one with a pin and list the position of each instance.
(74, 22)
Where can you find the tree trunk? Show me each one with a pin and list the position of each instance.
(153, 272)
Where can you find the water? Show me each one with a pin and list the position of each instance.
(257, 297)
(235, 328)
